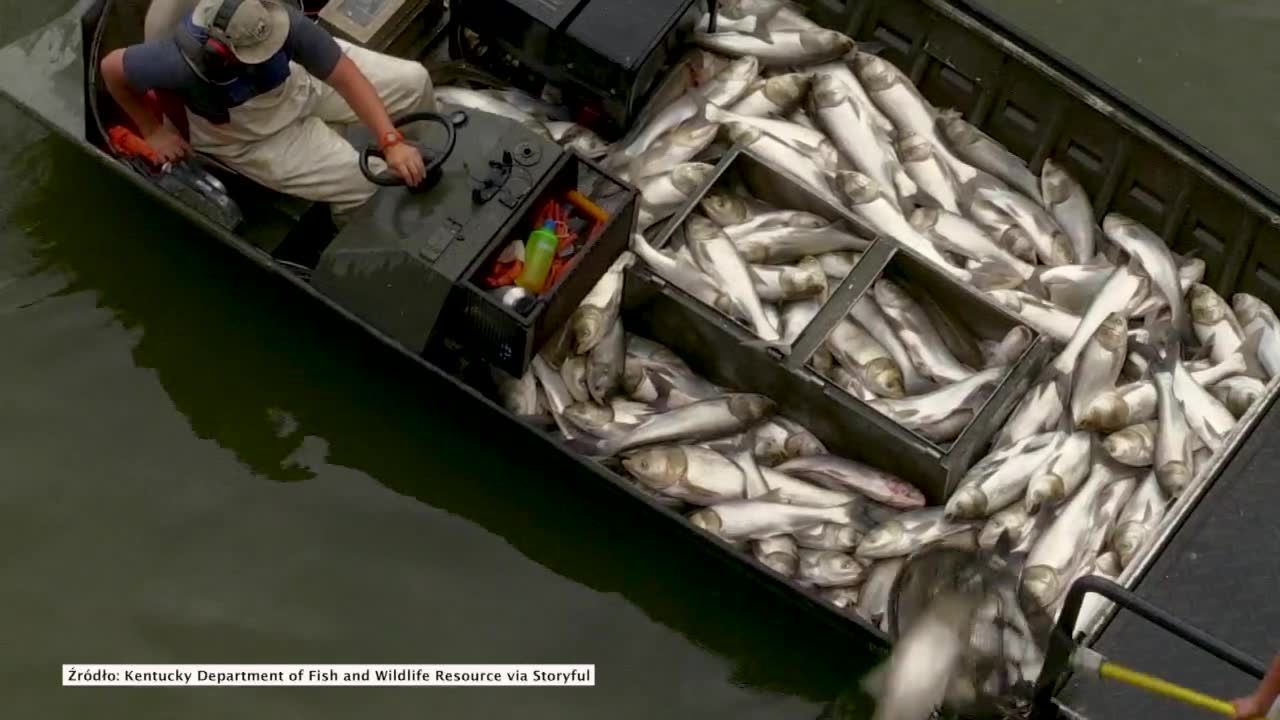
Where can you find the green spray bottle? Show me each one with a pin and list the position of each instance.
(539, 252)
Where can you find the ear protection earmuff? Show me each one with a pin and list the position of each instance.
(216, 44)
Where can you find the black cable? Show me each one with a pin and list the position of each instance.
(92, 80)
(713, 9)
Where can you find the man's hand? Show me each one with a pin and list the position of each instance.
(1254, 706)
(405, 161)
(167, 143)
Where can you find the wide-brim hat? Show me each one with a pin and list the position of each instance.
(255, 30)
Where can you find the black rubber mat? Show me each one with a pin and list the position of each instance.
(1220, 572)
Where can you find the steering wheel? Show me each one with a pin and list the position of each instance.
(433, 158)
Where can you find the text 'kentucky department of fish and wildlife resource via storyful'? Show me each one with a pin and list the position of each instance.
(327, 675)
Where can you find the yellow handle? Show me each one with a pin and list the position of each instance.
(1163, 687)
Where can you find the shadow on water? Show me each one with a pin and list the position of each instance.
(237, 351)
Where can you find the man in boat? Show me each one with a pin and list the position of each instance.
(263, 86)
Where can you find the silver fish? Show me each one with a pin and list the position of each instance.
(557, 395)
(684, 276)
(1099, 364)
(838, 265)
(1053, 247)
(873, 602)
(776, 96)
(860, 353)
(718, 257)
(519, 395)
(794, 491)
(1113, 298)
(921, 412)
(760, 518)
(745, 24)
(867, 201)
(695, 68)
(605, 363)
(1257, 318)
(574, 373)
(771, 220)
(1141, 243)
(851, 383)
(927, 170)
(777, 553)
(1239, 393)
(928, 352)
(979, 150)
(892, 91)
(1139, 519)
(1208, 418)
(868, 314)
(788, 244)
(799, 137)
(842, 71)
(1135, 402)
(701, 420)
(1038, 411)
(598, 311)
(856, 133)
(678, 145)
(1013, 521)
(1043, 316)
(662, 195)
(926, 664)
(1000, 479)
(1214, 322)
(1007, 350)
(829, 568)
(828, 536)
(804, 168)
(726, 207)
(909, 532)
(960, 235)
(477, 100)
(1070, 206)
(840, 473)
(794, 48)
(619, 416)
(1073, 287)
(1056, 556)
(774, 283)
(725, 88)
(1133, 446)
(1190, 272)
(688, 472)
(576, 137)
(845, 598)
(796, 316)
(1059, 477)
(537, 107)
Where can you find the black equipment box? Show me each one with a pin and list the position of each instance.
(412, 264)
(609, 51)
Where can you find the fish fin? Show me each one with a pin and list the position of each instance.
(1003, 545)
(995, 275)
(663, 387)
(1253, 367)
(762, 31)
(589, 446)
(762, 344)
(1064, 382)
(872, 47)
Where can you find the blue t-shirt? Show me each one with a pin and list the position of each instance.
(159, 65)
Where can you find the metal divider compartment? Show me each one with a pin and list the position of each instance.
(976, 316)
(730, 354)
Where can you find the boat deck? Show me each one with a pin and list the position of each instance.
(1221, 573)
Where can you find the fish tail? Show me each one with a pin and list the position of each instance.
(591, 447)
(995, 275)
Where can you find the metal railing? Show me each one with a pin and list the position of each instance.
(1062, 644)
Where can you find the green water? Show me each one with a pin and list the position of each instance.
(201, 467)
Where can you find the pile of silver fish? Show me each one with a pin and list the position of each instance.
(738, 469)
(1153, 371)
